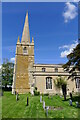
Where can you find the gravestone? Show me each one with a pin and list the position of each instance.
(17, 97)
(44, 105)
(47, 111)
(77, 104)
(70, 102)
(40, 99)
(27, 101)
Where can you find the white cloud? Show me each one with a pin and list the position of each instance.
(70, 11)
(75, 0)
(12, 59)
(64, 46)
(68, 49)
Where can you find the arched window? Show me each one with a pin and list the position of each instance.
(56, 69)
(43, 69)
(49, 83)
(24, 50)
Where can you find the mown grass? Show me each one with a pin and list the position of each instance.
(18, 109)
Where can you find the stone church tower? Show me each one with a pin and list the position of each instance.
(24, 62)
(28, 75)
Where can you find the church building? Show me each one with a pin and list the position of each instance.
(28, 75)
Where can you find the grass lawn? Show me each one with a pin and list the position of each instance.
(18, 109)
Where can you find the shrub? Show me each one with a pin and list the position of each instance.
(35, 88)
(46, 94)
(36, 93)
(7, 88)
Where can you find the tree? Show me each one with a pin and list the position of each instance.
(7, 73)
(61, 83)
(73, 64)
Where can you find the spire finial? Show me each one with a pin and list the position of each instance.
(32, 40)
(27, 14)
(18, 41)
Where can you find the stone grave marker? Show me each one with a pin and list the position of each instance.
(27, 101)
(40, 99)
(70, 102)
(47, 111)
(77, 104)
(44, 105)
(17, 98)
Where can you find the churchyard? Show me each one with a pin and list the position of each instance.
(55, 106)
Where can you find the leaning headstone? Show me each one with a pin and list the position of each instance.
(44, 105)
(27, 101)
(17, 97)
(40, 99)
(70, 102)
(77, 104)
(47, 111)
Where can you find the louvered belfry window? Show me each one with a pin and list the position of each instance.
(24, 50)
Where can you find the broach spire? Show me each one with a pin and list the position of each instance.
(26, 35)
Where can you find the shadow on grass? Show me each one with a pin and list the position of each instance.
(66, 99)
(76, 98)
(75, 107)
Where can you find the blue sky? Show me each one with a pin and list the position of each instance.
(54, 27)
